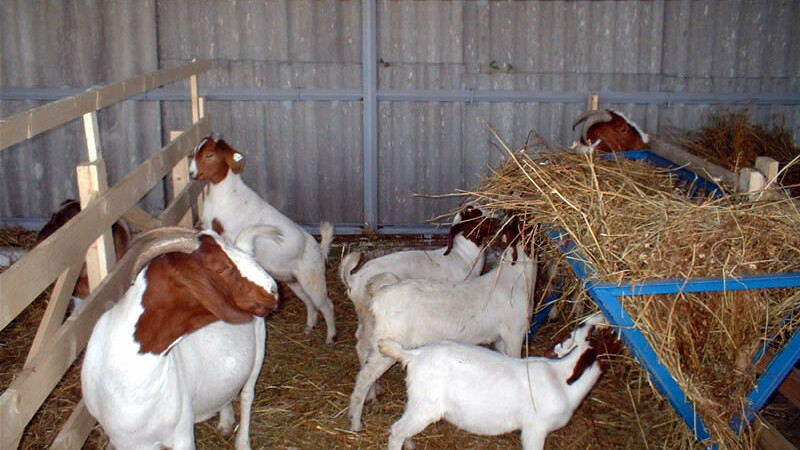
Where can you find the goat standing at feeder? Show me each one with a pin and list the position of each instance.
(461, 260)
(488, 393)
(493, 308)
(230, 206)
(608, 130)
(181, 343)
(67, 210)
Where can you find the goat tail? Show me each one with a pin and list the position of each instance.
(346, 266)
(246, 240)
(394, 349)
(326, 238)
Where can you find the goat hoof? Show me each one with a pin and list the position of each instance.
(356, 427)
(330, 340)
(308, 329)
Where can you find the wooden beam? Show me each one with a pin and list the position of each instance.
(181, 203)
(76, 429)
(593, 102)
(100, 256)
(92, 131)
(694, 163)
(180, 176)
(28, 124)
(768, 167)
(141, 219)
(193, 92)
(768, 438)
(56, 309)
(18, 288)
(790, 386)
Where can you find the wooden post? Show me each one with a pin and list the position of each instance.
(92, 180)
(75, 430)
(769, 168)
(593, 102)
(180, 179)
(196, 113)
(751, 181)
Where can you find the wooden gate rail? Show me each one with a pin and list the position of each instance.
(25, 125)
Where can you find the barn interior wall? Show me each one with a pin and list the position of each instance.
(306, 157)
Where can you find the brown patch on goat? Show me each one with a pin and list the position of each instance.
(215, 158)
(188, 291)
(616, 135)
(473, 226)
(67, 210)
(216, 225)
(605, 342)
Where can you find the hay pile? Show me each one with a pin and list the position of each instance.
(732, 141)
(630, 223)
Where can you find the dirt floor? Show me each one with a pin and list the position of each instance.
(305, 385)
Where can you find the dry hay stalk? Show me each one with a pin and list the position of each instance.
(630, 223)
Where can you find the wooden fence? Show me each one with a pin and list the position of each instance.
(87, 237)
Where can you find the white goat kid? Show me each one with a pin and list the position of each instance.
(461, 260)
(181, 343)
(231, 206)
(493, 308)
(487, 393)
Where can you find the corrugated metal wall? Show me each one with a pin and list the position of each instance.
(306, 157)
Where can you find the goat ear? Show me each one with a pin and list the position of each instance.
(454, 230)
(234, 158)
(181, 297)
(587, 358)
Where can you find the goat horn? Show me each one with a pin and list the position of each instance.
(158, 241)
(591, 118)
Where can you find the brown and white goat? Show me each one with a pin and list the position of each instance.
(488, 393)
(230, 206)
(607, 130)
(67, 210)
(181, 343)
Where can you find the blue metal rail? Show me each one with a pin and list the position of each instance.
(608, 297)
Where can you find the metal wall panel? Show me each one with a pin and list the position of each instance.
(75, 44)
(305, 157)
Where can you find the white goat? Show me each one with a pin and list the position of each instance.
(491, 308)
(462, 259)
(488, 393)
(181, 343)
(231, 206)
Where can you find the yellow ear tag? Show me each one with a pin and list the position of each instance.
(237, 157)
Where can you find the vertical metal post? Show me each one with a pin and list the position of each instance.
(369, 71)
